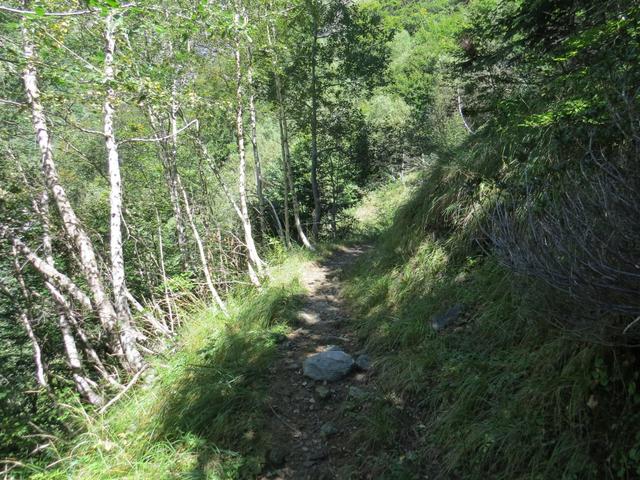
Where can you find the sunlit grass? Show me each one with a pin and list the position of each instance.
(200, 413)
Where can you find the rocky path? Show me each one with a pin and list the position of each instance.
(309, 428)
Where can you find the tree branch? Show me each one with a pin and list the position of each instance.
(160, 139)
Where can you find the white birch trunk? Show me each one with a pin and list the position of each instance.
(41, 378)
(81, 241)
(42, 209)
(127, 332)
(203, 256)
(26, 320)
(115, 180)
(84, 385)
(255, 262)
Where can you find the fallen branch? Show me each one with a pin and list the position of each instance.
(124, 390)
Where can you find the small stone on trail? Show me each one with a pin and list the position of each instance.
(330, 365)
(443, 320)
(328, 429)
(323, 392)
(363, 362)
(357, 393)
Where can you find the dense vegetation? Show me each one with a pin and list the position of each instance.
(155, 154)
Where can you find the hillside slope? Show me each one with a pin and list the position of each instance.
(474, 369)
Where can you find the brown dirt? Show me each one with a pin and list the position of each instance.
(298, 449)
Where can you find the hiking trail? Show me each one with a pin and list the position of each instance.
(310, 425)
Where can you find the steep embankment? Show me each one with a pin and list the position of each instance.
(470, 368)
(202, 410)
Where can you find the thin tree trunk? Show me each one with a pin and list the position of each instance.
(41, 377)
(203, 256)
(254, 142)
(169, 164)
(71, 223)
(42, 209)
(66, 311)
(128, 333)
(285, 182)
(314, 130)
(26, 320)
(255, 262)
(284, 140)
(165, 287)
(84, 385)
(287, 164)
(276, 219)
(51, 274)
(115, 194)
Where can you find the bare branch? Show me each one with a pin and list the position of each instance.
(160, 139)
(70, 13)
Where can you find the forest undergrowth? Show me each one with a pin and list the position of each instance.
(199, 411)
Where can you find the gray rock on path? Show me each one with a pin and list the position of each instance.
(327, 430)
(331, 365)
(363, 362)
(443, 320)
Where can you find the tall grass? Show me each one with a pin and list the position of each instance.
(501, 394)
(200, 413)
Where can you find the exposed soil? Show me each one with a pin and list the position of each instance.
(299, 447)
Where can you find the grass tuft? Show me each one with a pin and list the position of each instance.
(200, 413)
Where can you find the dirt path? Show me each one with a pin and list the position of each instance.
(310, 422)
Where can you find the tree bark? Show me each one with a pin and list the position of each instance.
(255, 262)
(127, 331)
(285, 182)
(84, 385)
(199, 244)
(27, 322)
(314, 128)
(284, 138)
(51, 274)
(276, 218)
(169, 164)
(41, 377)
(254, 142)
(115, 193)
(163, 272)
(284, 141)
(41, 206)
(73, 228)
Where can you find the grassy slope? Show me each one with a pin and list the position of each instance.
(503, 394)
(201, 415)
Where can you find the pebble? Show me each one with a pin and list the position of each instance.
(323, 392)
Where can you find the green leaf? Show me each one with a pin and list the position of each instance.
(40, 11)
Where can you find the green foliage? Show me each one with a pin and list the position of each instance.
(200, 412)
(501, 392)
